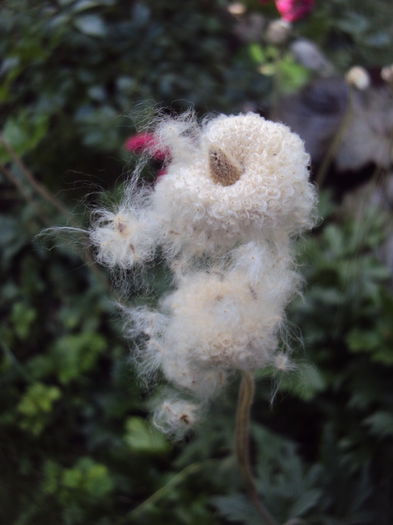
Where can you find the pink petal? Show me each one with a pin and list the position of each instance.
(293, 10)
(145, 142)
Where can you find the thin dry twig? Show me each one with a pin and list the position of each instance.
(37, 186)
(334, 144)
(16, 182)
(47, 196)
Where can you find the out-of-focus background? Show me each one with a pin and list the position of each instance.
(78, 78)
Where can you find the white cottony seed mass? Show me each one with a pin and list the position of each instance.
(235, 194)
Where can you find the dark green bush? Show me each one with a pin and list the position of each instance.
(76, 444)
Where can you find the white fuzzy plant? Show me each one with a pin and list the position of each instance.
(235, 194)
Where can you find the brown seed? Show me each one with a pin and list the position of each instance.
(253, 292)
(222, 170)
(121, 227)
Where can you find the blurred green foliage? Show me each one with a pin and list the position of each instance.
(76, 446)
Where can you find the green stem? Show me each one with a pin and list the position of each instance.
(242, 444)
(162, 491)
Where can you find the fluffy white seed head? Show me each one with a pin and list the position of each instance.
(123, 238)
(244, 177)
(229, 180)
(176, 416)
(158, 353)
(186, 373)
(229, 319)
(150, 325)
(178, 137)
(218, 320)
(235, 193)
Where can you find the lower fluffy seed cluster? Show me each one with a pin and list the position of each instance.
(235, 193)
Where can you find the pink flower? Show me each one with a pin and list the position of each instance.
(292, 10)
(161, 172)
(145, 142)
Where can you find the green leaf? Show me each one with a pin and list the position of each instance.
(140, 436)
(51, 480)
(22, 316)
(83, 5)
(363, 341)
(305, 381)
(354, 23)
(90, 477)
(257, 53)
(75, 354)
(379, 39)
(380, 423)
(91, 25)
(35, 405)
(292, 76)
(23, 132)
(238, 508)
(307, 500)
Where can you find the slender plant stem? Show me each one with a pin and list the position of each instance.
(48, 197)
(242, 444)
(335, 143)
(16, 182)
(37, 186)
(163, 491)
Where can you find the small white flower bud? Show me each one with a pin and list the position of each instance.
(278, 31)
(358, 77)
(387, 74)
(237, 8)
